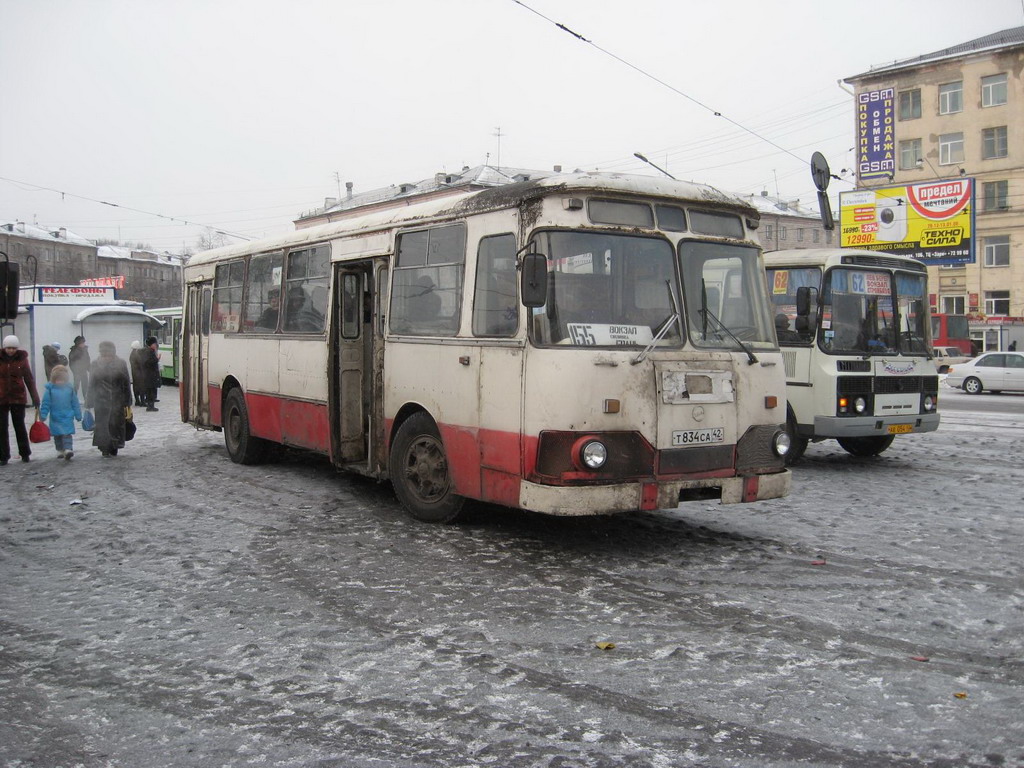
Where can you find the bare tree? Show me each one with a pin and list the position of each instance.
(211, 238)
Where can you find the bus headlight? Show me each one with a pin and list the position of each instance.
(929, 403)
(593, 454)
(781, 443)
(860, 405)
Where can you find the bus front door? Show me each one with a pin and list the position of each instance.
(351, 349)
(195, 389)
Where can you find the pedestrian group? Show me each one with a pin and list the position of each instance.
(105, 386)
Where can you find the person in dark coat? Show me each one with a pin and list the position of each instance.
(52, 357)
(138, 375)
(109, 394)
(79, 361)
(151, 372)
(16, 386)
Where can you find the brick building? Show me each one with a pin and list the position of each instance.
(62, 257)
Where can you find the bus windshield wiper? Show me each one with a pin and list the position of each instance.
(663, 327)
(707, 314)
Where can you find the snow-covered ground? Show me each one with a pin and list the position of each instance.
(192, 612)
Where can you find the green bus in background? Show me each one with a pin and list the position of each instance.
(169, 338)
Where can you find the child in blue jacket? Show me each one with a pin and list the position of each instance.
(61, 404)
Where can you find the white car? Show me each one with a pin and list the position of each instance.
(947, 356)
(992, 371)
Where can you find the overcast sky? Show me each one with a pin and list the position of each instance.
(238, 115)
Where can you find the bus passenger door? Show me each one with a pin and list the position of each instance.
(195, 389)
(351, 350)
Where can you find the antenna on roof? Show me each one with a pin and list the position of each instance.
(497, 133)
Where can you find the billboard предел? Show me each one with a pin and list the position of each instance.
(931, 221)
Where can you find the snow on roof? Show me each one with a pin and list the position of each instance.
(36, 232)
(1007, 38)
(472, 178)
(138, 254)
(777, 206)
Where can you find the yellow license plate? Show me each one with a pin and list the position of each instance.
(900, 429)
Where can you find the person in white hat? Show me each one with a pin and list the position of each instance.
(16, 386)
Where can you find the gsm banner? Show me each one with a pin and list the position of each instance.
(932, 222)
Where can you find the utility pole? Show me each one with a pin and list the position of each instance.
(337, 180)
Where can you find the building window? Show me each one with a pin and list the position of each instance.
(995, 195)
(768, 232)
(951, 148)
(953, 305)
(951, 98)
(993, 90)
(815, 235)
(828, 236)
(910, 104)
(782, 233)
(997, 251)
(910, 154)
(800, 235)
(997, 302)
(993, 143)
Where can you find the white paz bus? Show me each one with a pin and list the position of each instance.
(854, 329)
(580, 344)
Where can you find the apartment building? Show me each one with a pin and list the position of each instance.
(959, 113)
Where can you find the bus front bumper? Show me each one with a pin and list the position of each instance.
(874, 426)
(649, 495)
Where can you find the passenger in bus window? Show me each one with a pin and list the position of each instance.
(267, 321)
(300, 314)
(783, 330)
(424, 303)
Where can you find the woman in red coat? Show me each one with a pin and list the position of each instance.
(16, 386)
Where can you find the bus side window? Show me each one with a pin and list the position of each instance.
(227, 297)
(495, 302)
(426, 286)
(305, 290)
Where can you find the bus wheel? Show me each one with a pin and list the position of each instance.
(797, 444)
(242, 447)
(419, 472)
(866, 446)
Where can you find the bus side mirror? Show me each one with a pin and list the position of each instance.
(8, 291)
(534, 280)
(803, 301)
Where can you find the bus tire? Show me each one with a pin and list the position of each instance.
(797, 444)
(866, 446)
(972, 386)
(242, 447)
(419, 472)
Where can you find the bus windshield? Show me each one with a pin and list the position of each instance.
(873, 312)
(725, 296)
(607, 290)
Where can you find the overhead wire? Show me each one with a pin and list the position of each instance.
(178, 219)
(658, 80)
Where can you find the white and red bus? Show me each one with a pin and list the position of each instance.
(579, 344)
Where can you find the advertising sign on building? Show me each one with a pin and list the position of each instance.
(114, 281)
(876, 144)
(932, 222)
(73, 294)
